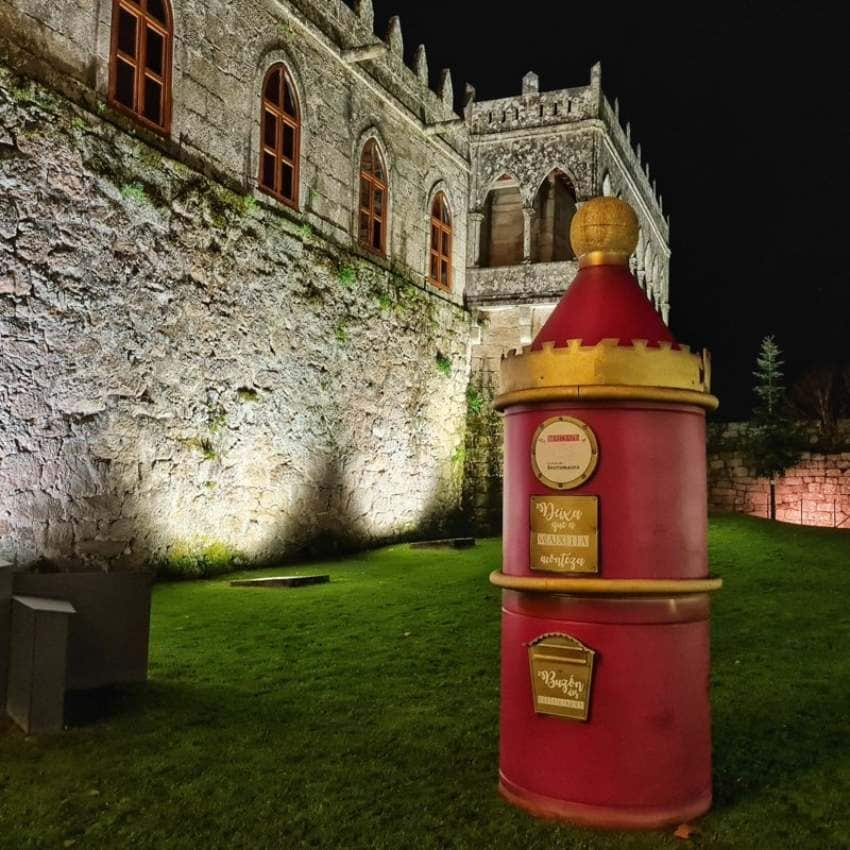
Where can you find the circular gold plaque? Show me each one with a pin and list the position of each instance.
(564, 452)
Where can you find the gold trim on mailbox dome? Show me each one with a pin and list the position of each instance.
(584, 430)
(577, 368)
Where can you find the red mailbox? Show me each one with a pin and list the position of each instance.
(605, 614)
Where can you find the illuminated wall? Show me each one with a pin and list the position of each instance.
(194, 370)
(186, 374)
(814, 492)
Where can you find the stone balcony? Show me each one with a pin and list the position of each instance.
(529, 283)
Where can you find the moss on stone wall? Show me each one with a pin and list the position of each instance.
(172, 306)
(198, 559)
(482, 477)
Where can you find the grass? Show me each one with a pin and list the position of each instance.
(364, 714)
(347, 276)
(474, 401)
(134, 192)
(444, 364)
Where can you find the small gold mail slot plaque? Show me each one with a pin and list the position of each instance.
(565, 534)
(561, 676)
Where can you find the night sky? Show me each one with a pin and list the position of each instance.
(743, 116)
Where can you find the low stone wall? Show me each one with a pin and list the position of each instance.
(814, 492)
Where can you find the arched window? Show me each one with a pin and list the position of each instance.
(440, 267)
(372, 220)
(280, 136)
(503, 225)
(554, 207)
(140, 61)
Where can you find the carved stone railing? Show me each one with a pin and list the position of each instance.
(529, 283)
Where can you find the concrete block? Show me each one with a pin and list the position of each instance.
(37, 664)
(448, 543)
(108, 641)
(281, 581)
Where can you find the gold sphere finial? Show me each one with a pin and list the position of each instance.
(604, 231)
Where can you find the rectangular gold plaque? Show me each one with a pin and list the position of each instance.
(561, 676)
(565, 534)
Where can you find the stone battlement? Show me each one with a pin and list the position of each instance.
(527, 111)
(352, 31)
(534, 110)
(638, 172)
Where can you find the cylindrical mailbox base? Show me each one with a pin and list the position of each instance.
(643, 758)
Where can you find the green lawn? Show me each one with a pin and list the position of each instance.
(363, 714)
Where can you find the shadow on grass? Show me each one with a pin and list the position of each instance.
(161, 703)
(86, 708)
(756, 747)
(144, 701)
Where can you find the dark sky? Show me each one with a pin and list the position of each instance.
(742, 114)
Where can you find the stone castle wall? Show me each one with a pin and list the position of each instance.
(222, 51)
(186, 374)
(197, 368)
(814, 492)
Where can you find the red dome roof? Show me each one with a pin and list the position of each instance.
(604, 302)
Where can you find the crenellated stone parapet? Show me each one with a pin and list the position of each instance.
(576, 132)
(637, 170)
(533, 109)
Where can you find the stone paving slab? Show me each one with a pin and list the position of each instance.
(281, 581)
(448, 543)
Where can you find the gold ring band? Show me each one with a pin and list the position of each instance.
(603, 258)
(540, 395)
(606, 587)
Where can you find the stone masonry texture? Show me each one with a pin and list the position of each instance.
(814, 492)
(183, 370)
(192, 372)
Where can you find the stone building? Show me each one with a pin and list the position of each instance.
(535, 158)
(256, 276)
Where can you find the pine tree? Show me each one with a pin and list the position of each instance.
(773, 438)
(769, 388)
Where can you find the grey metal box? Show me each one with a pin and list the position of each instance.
(36, 694)
(108, 640)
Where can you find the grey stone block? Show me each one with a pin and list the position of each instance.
(281, 581)
(449, 543)
(37, 664)
(108, 640)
